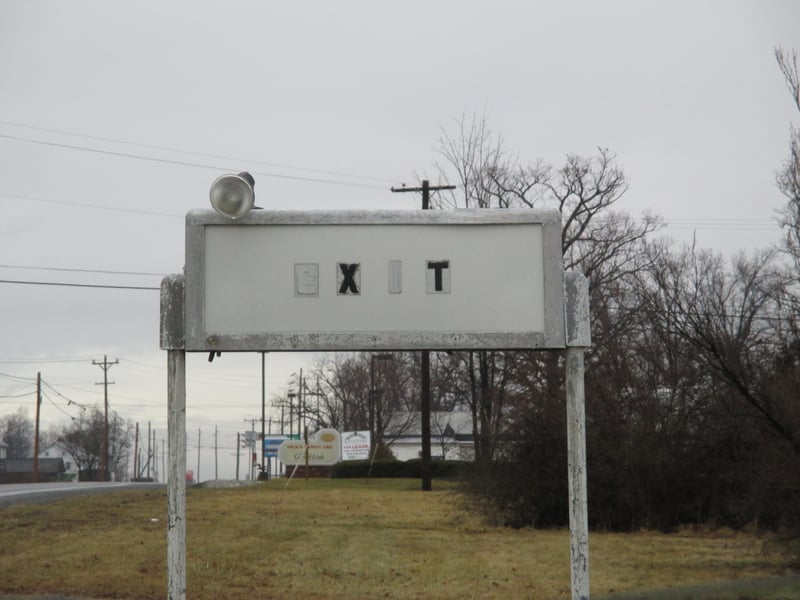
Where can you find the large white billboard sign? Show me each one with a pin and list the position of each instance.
(355, 280)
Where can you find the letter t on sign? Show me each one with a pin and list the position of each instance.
(437, 277)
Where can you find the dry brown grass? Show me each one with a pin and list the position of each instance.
(337, 538)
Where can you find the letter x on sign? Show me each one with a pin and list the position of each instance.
(349, 279)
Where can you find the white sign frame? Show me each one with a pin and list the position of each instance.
(221, 256)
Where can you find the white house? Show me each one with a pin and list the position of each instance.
(56, 450)
(451, 436)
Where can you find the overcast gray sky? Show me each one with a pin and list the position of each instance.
(116, 116)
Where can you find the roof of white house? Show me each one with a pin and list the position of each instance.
(408, 423)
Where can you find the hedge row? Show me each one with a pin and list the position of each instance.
(355, 469)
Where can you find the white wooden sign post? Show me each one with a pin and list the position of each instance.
(173, 341)
(357, 280)
(578, 341)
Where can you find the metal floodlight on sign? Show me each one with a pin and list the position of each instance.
(233, 196)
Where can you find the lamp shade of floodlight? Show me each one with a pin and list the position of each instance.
(233, 195)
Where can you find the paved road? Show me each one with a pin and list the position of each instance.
(34, 493)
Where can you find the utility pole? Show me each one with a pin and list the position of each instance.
(216, 452)
(155, 459)
(252, 448)
(136, 452)
(252, 444)
(238, 452)
(105, 365)
(197, 475)
(425, 379)
(149, 450)
(266, 458)
(36, 434)
(263, 409)
(291, 414)
(301, 406)
(373, 414)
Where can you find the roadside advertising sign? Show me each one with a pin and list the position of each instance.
(355, 445)
(324, 448)
(271, 445)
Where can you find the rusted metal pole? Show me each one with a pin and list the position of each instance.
(578, 340)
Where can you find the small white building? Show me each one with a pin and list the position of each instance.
(56, 450)
(451, 436)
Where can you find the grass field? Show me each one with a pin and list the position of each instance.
(344, 539)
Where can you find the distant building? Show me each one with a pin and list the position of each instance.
(56, 450)
(451, 436)
(3, 452)
(20, 470)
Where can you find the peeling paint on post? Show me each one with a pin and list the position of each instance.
(172, 313)
(578, 339)
(172, 340)
(176, 481)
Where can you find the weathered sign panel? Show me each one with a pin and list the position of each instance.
(355, 445)
(394, 280)
(323, 448)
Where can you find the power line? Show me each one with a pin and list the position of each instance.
(31, 361)
(135, 211)
(49, 399)
(70, 401)
(192, 152)
(710, 223)
(185, 163)
(17, 377)
(81, 285)
(678, 223)
(721, 226)
(117, 396)
(31, 393)
(73, 270)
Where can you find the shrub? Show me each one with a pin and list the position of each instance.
(396, 468)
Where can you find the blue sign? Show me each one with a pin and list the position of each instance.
(271, 444)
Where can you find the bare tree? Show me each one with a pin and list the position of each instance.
(788, 176)
(344, 383)
(478, 157)
(738, 321)
(595, 240)
(83, 440)
(359, 392)
(17, 431)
